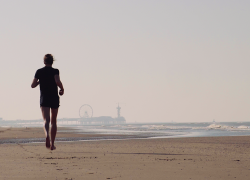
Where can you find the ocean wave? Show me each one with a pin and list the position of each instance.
(164, 127)
(209, 127)
(224, 127)
(214, 126)
(243, 127)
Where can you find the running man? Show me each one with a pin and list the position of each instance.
(48, 78)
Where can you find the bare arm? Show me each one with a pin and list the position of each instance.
(59, 84)
(35, 82)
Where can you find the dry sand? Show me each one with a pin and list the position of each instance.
(174, 158)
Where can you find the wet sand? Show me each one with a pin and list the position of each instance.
(27, 135)
(173, 158)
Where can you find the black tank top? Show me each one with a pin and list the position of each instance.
(46, 76)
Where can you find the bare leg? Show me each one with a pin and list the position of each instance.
(53, 127)
(46, 118)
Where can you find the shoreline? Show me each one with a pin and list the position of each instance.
(14, 135)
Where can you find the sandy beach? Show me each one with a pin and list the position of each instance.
(173, 158)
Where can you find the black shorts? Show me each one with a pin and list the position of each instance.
(50, 101)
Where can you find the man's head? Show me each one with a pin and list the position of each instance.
(48, 59)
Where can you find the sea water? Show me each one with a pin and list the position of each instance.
(168, 130)
(156, 130)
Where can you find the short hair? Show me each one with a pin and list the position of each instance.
(48, 59)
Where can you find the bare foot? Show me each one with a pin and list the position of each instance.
(47, 142)
(52, 147)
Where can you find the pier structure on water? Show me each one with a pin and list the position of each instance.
(86, 113)
(86, 118)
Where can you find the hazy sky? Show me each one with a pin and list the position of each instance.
(163, 60)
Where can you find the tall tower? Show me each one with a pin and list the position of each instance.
(118, 111)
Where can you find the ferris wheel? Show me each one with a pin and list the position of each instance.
(86, 111)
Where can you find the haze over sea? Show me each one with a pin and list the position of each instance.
(151, 130)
